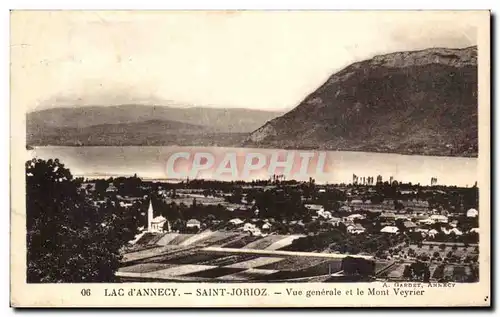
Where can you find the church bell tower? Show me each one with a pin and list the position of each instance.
(150, 216)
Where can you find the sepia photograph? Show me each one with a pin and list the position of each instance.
(300, 150)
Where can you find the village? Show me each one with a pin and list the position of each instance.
(279, 230)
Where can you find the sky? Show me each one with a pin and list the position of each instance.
(244, 59)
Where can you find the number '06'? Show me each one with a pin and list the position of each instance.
(85, 292)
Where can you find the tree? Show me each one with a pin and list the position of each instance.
(398, 205)
(69, 239)
(358, 266)
(313, 226)
(439, 272)
(100, 186)
(407, 272)
(420, 271)
(424, 257)
(427, 274)
(178, 225)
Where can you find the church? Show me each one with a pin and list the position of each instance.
(156, 224)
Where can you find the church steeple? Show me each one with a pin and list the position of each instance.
(150, 216)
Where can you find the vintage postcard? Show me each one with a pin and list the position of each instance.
(250, 158)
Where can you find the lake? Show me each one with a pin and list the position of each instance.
(150, 162)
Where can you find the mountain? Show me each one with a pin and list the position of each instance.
(418, 102)
(219, 120)
(143, 125)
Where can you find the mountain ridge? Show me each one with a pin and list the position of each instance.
(123, 125)
(416, 102)
(220, 120)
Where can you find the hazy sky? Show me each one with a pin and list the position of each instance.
(260, 60)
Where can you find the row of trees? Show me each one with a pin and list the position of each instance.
(419, 271)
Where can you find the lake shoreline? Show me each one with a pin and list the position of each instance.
(472, 156)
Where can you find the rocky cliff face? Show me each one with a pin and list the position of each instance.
(421, 102)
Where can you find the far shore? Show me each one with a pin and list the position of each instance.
(405, 153)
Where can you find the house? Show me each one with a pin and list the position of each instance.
(157, 224)
(439, 218)
(99, 202)
(355, 229)
(125, 205)
(256, 232)
(111, 188)
(193, 223)
(407, 192)
(249, 227)
(432, 233)
(402, 217)
(266, 227)
(472, 213)
(389, 229)
(88, 186)
(454, 230)
(388, 215)
(427, 221)
(409, 226)
(355, 217)
(297, 224)
(324, 214)
(313, 207)
(344, 209)
(334, 221)
(236, 221)
(418, 217)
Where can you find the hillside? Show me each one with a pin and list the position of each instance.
(420, 102)
(143, 125)
(219, 120)
(152, 132)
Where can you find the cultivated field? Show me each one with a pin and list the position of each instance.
(234, 256)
